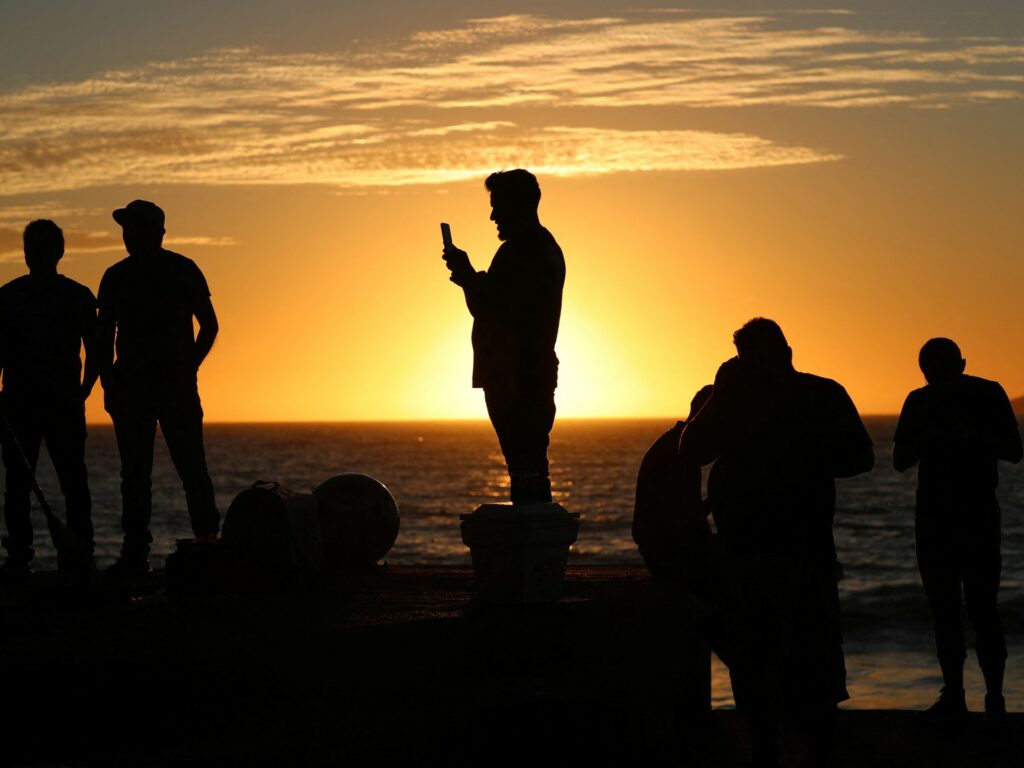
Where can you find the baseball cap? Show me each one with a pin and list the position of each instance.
(140, 213)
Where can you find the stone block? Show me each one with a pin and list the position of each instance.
(519, 551)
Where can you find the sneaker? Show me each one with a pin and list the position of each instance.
(15, 571)
(129, 568)
(951, 704)
(995, 710)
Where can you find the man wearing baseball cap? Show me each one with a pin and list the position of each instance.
(147, 303)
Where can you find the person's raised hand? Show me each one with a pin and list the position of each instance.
(457, 261)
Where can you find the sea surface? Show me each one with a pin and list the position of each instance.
(439, 470)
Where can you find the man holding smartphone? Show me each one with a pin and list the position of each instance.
(516, 306)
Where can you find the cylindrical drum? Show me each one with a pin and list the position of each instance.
(358, 521)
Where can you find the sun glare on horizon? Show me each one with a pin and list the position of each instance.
(849, 172)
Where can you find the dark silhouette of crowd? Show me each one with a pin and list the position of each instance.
(777, 438)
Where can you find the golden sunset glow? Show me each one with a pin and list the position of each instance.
(851, 174)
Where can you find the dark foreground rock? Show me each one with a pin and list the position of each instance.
(401, 667)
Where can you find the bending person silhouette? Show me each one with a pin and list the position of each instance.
(671, 542)
(516, 305)
(778, 438)
(146, 306)
(956, 428)
(45, 318)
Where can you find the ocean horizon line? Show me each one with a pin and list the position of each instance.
(454, 420)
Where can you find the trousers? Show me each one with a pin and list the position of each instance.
(958, 553)
(136, 411)
(522, 418)
(61, 426)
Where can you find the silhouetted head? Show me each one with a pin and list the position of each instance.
(44, 245)
(515, 196)
(142, 226)
(761, 345)
(700, 400)
(940, 360)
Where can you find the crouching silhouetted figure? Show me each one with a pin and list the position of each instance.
(778, 438)
(956, 428)
(516, 306)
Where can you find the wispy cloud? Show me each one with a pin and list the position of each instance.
(445, 105)
(78, 241)
(15, 217)
(440, 155)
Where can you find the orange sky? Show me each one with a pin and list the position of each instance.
(853, 176)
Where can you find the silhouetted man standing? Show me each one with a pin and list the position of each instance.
(45, 318)
(516, 305)
(957, 428)
(778, 438)
(147, 301)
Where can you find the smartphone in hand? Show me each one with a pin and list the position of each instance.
(446, 235)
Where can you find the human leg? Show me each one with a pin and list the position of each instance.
(65, 434)
(757, 632)
(25, 429)
(981, 576)
(135, 430)
(522, 419)
(181, 421)
(940, 575)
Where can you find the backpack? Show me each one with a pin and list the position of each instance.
(271, 537)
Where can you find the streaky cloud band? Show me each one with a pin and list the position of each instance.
(445, 105)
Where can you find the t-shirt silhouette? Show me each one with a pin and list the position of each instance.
(43, 319)
(152, 300)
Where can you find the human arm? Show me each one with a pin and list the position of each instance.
(1004, 440)
(90, 340)
(904, 456)
(104, 333)
(3, 340)
(208, 328)
(856, 462)
(474, 284)
(702, 438)
(912, 435)
(522, 285)
(849, 449)
(700, 442)
(458, 263)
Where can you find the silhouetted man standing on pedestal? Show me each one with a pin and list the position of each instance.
(516, 305)
(148, 301)
(958, 427)
(44, 320)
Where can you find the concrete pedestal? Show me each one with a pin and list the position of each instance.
(519, 551)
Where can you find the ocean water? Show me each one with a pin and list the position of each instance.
(439, 470)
